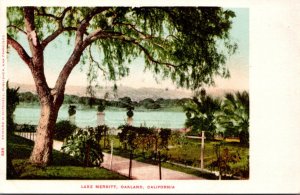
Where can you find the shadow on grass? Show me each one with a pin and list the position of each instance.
(63, 166)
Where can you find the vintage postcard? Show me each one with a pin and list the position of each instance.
(149, 97)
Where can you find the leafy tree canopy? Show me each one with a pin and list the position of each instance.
(188, 44)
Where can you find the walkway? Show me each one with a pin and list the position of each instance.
(140, 171)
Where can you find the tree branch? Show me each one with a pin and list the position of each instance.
(55, 34)
(99, 34)
(77, 52)
(37, 59)
(92, 37)
(64, 13)
(18, 28)
(33, 39)
(81, 30)
(60, 29)
(20, 50)
(97, 63)
(43, 13)
(146, 51)
(150, 57)
(133, 27)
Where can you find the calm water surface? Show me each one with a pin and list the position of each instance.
(88, 117)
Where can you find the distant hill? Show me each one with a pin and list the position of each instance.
(133, 93)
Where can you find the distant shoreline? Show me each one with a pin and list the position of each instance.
(110, 108)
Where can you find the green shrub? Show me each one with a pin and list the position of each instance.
(72, 110)
(130, 112)
(225, 160)
(100, 108)
(84, 146)
(63, 129)
(12, 97)
(26, 128)
(102, 132)
(165, 135)
(145, 140)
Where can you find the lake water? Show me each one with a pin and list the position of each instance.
(88, 117)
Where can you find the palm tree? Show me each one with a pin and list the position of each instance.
(200, 114)
(234, 116)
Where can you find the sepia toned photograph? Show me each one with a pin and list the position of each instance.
(128, 99)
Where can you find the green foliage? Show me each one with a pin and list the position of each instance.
(164, 135)
(200, 113)
(63, 129)
(130, 111)
(70, 99)
(234, 117)
(12, 100)
(28, 97)
(64, 167)
(149, 103)
(224, 159)
(144, 139)
(125, 102)
(229, 116)
(244, 137)
(187, 152)
(72, 110)
(190, 45)
(178, 138)
(101, 132)
(83, 144)
(101, 106)
(26, 128)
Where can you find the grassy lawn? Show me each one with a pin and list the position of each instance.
(64, 167)
(189, 152)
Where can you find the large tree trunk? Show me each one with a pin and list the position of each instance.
(50, 99)
(42, 150)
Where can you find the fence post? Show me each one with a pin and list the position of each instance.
(111, 154)
(202, 151)
(219, 161)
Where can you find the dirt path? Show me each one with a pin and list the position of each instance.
(140, 171)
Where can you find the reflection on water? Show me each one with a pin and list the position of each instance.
(88, 117)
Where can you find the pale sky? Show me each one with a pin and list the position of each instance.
(57, 53)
